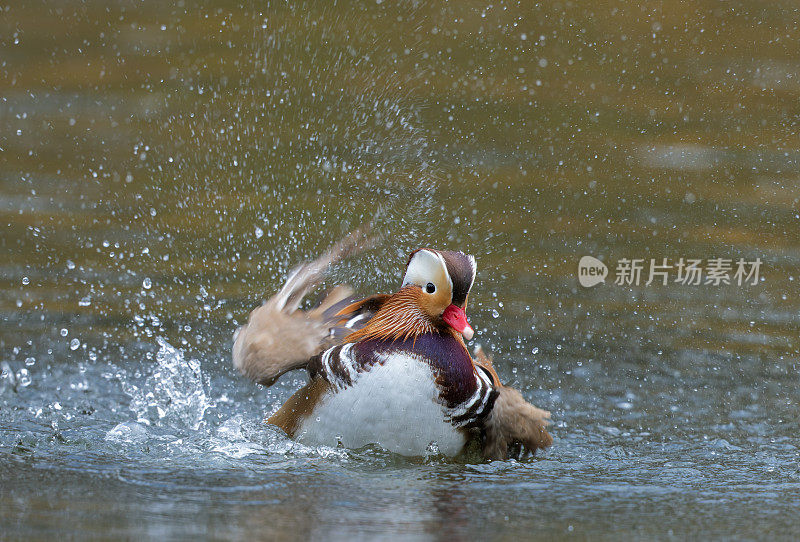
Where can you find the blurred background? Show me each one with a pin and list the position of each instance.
(162, 167)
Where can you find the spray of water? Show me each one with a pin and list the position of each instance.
(175, 392)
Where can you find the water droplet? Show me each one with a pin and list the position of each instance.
(23, 378)
(74, 344)
(64, 332)
(147, 283)
(259, 232)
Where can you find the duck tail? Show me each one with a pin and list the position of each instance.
(278, 336)
(514, 427)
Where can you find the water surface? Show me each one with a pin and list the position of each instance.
(161, 169)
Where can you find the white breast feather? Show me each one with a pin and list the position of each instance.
(394, 404)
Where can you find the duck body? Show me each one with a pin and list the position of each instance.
(410, 396)
(389, 369)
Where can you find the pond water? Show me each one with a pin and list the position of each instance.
(163, 167)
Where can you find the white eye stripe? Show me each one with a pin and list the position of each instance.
(425, 266)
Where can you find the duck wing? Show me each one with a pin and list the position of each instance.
(279, 337)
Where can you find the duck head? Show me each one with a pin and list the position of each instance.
(444, 279)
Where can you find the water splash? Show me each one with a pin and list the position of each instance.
(13, 380)
(174, 393)
(127, 432)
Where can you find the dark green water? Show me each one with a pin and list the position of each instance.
(161, 168)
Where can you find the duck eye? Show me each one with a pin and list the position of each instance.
(430, 288)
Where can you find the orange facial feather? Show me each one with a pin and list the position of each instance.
(400, 317)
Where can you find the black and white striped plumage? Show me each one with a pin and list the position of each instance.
(406, 395)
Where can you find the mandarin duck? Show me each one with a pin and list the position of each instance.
(391, 370)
